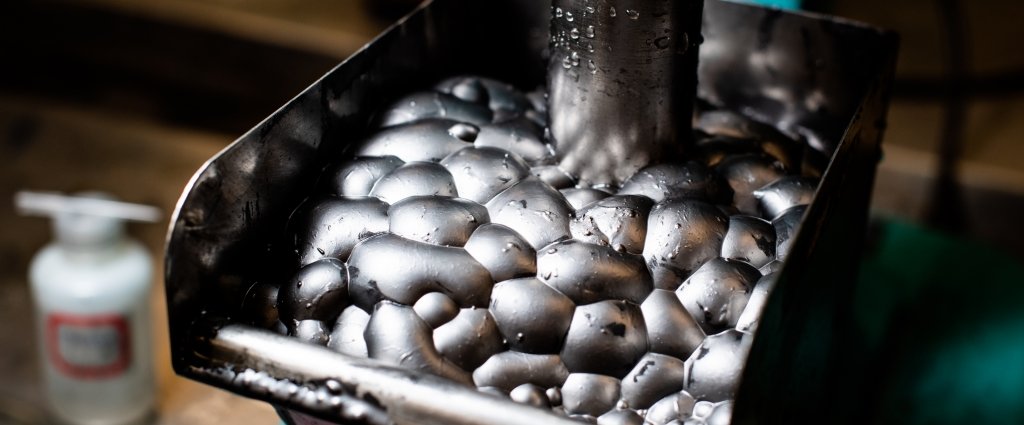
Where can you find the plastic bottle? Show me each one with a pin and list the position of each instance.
(91, 290)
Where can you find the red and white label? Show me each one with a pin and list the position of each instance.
(88, 346)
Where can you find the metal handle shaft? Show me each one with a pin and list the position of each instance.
(622, 78)
(374, 392)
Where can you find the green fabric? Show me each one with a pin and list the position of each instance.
(942, 323)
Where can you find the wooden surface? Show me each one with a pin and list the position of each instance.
(99, 95)
(990, 170)
(55, 147)
(331, 28)
(190, 63)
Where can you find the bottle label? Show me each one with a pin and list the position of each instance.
(88, 346)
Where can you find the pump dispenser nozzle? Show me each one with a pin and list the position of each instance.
(52, 204)
(85, 220)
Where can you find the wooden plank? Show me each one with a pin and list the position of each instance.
(61, 147)
(141, 65)
(333, 28)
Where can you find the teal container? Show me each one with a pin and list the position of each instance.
(781, 4)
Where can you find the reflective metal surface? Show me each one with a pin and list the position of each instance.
(618, 221)
(481, 173)
(508, 369)
(713, 375)
(654, 377)
(532, 316)
(231, 211)
(673, 407)
(589, 394)
(534, 209)
(502, 251)
(354, 389)
(469, 339)
(622, 77)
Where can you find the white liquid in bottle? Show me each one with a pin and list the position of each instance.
(91, 289)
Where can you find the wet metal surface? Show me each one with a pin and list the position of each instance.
(230, 207)
(621, 74)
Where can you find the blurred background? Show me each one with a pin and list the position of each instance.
(131, 97)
